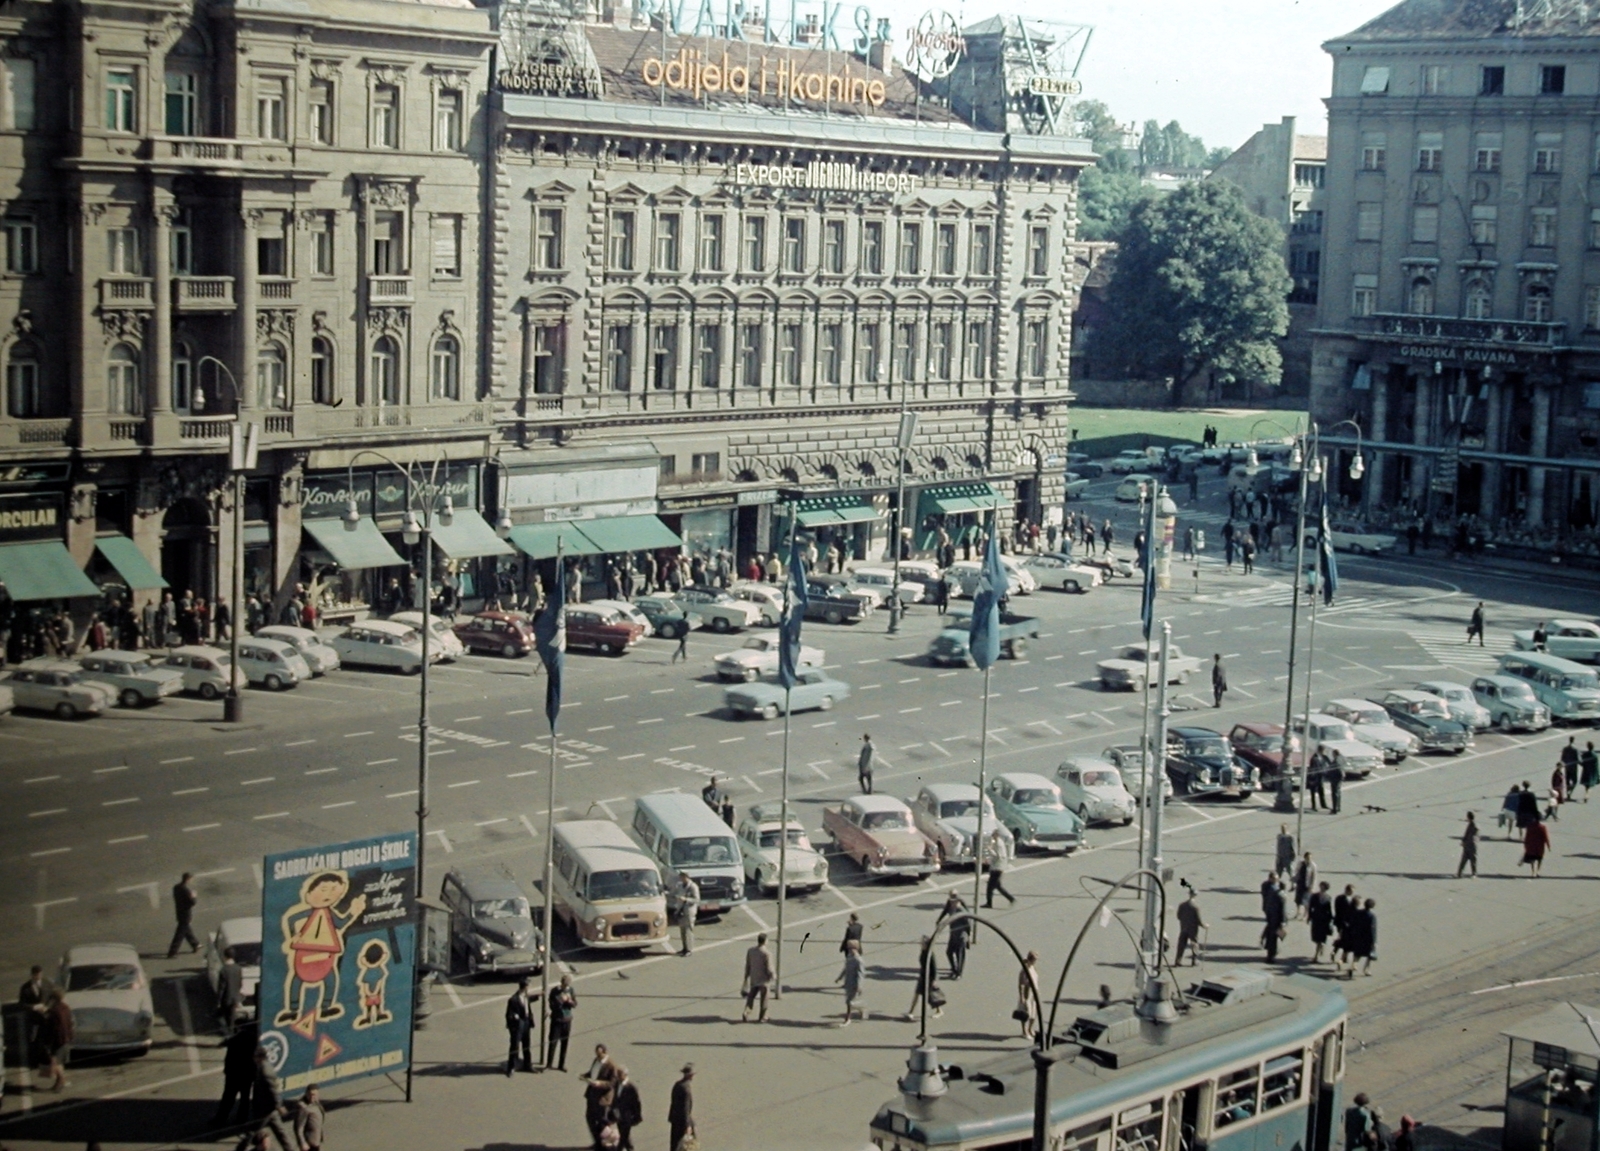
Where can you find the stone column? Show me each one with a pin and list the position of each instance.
(245, 369)
(1538, 449)
(1421, 434)
(1372, 489)
(1493, 441)
(158, 397)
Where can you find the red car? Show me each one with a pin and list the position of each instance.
(603, 629)
(1261, 746)
(497, 631)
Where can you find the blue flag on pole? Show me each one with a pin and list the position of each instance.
(1147, 603)
(984, 639)
(794, 614)
(550, 637)
(1329, 566)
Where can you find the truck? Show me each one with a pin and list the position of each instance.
(950, 647)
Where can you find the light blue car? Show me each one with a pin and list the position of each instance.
(765, 697)
(1030, 807)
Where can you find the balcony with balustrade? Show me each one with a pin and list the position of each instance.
(390, 290)
(1494, 333)
(41, 435)
(275, 290)
(203, 293)
(126, 292)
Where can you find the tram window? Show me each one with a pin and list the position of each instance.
(1139, 1128)
(1280, 1081)
(1089, 1137)
(1236, 1096)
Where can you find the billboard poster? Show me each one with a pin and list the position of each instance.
(338, 941)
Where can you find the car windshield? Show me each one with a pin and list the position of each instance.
(1041, 796)
(1338, 729)
(797, 838)
(104, 977)
(954, 808)
(1101, 778)
(1260, 742)
(1455, 694)
(246, 954)
(628, 884)
(1433, 707)
(1131, 756)
(1206, 748)
(511, 907)
(1517, 691)
(1570, 682)
(885, 821)
(695, 849)
(1373, 714)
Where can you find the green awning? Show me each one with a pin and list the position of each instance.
(819, 517)
(124, 555)
(630, 534)
(42, 571)
(955, 499)
(353, 550)
(951, 505)
(539, 541)
(857, 514)
(826, 511)
(467, 536)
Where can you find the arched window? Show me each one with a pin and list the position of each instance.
(1480, 300)
(321, 371)
(1421, 301)
(386, 370)
(23, 401)
(123, 396)
(446, 368)
(185, 398)
(272, 378)
(1536, 304)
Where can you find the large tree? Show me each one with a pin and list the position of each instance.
(1198, 293)
(1105, 197)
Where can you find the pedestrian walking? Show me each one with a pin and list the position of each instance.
(1558, 792)
(688, 910)
(1107, 535)
(519, 1028)
(627, 1111)
(230, 989)
(183, 903)
(599, 1082)
(563, 1002)
(1219, 679)
(941, 595)
(682, 650)
(309, 1118)
(727, 810)
(56, 1032)
(1027, 1009)
(238, 1072)
(852, 934)
(1335, 777)
(864, 764)
(757, 978)
(1305, 882)
(927, 988)
(680, 1112)
(1190, 924)
(995, 856)
(1527, 807)
(1316, 774)
(1319, 914)
(1541, 638)
(1589, 769)
(850, 976)
(1283, 860)
(1569, 766)
(1535, 843)
(1469, 846)
(955, 949)
(1273, 909)
(33, 999)
(1507, 816)
(1345, 904)
(1475, 624)
(267, 1111)
(1362, 938)
(1247, 553)
(1188, 543)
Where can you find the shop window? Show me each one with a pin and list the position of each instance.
(386, 370)
(23, 399)
(272, 377)
(123, 395)
(446, 368)
(322, 380)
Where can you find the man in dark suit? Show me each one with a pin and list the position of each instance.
(230, 989)
(519, 1028)
(625, 1109)
(183, 901)
(238, 1071)
(680, 1114)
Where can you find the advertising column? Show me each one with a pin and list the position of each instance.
(1166, 525)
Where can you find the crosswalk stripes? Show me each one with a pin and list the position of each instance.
(1445, 644)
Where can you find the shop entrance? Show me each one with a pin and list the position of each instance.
(748, 541)
(185, 545)
(1027, 500)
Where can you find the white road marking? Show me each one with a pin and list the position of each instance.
(179, 759)
(47, 811)
(770, 771)
(874, 715)
(467, 783)
(909, 710)
(119, 802)
(828, 723)
(49, 778)
(356, 734)
(380, 762)
(604, 805)
(1025, 690)
(937, 748)
(401, 794)
(864, 662)
(272, 815)
(343, 803)
(40, 908)
(520, 711)
(241, 751)
(202, 827)
(871, 686)
(1247, 694)
(1048, 658)
(913, 679)
(909, 746)
(1091, 651)
(752, 783)
(300, 743)
(848, 902)
(528, 823)
(642, 722)
(625, 758)
(1532, 982)
(322, 771)
(520, 774)
(603, 727)
(662, 690)
(614, 698)
(253, 782)
(816, 769)
(1046, 724)
(126, 839)
(750, 911)
(682, 747)
(732, 739)
(444, 839)
(950, 703)
(468, 718)
(1102, 719)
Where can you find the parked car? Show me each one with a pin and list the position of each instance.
(505, 633)
(765, 697)
(319, 657)
(1059, 570)
(759, 832)
(1570, 690)
(1360, 542)
(667, 616)
(603, 629)
(881, 579)
(56, 685)
(1076, 483)
(382, 643)
(491, 923)
(847, 585)
(1030, 807)
(272, 664)
(8, 701)
(877, 832)
(1261, 746)
(1353, 758)
(135, 676)
(1511, 704)
(768, 597)
(1574, 639)
(627, 611)
(1094, 789)
(442, 638)
(718, 610)
(1109, 565)
(759, 657)
(947, 813)
(1371, 724)
(105, 986)
(1127, 669)
(831, 604)
(963, 576)
(204, 669)
(952, 646)
(243, 935)
(1134, 488)
(1129, 460)
(925, 572)
(1463, 706)
(1426, 717)
(1129, 762)
(1200, 762)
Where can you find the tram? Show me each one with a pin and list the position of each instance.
(1252, 1062)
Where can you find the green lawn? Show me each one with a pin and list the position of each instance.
(1106, 431)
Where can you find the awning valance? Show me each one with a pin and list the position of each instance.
(825, 511)
(467, 536)
(45, 570)
(539, 541)
(353, 550)
(630, 534)
(955, 499)
(124, 555)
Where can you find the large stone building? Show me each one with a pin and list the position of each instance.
(1459, 318)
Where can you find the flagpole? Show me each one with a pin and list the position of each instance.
(1311, 651)
(978, 852)
(549, 851)
(1147, 760)
(986, 658)
(788, 665)
(783, 846)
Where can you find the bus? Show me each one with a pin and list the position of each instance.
(1252, 1061)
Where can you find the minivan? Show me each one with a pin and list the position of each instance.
(682, 834)
(606, 887)
(1570, 690)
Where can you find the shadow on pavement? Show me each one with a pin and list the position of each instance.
(131, 1120)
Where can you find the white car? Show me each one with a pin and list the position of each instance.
(1129, 460)
(627, 611)
(8, 702)
(881, 579)
(244, 936)
(1076, 485)
(444, 640)
(1362, 543)
(1058, 570)
(718, 610)
(962, 576)
(55, 685)
(319, 657)
(947, 813)
(204, 669)
(1573, 639)
(105, 986)
(804, 866)
(767, 597)
(759, 657)
(1127, 668)
(1336, 739)
(1134, 488)
(1372, 725)
(1463, 706)
(1094, 789)
(137, 676)
(383, 643)
(273, 664)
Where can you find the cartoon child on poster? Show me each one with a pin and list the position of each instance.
(372, 980)
(313, 940)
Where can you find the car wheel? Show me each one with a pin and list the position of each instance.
(751, 675)
(209, 691)
(1071, 586)
(272, 683)
(129, 698)
(826, 704)
(770, 711)
(414, 669)
(509, 650)
(1502, 722)
(1018, 648)
(65, 710)
(1083, 814)
(866, 865)
(607, 649)
(1180, 786)
(719, 623)
(833, 615)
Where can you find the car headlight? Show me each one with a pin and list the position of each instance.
(820, 868)
(485, 949)
(599, 925)
(1029, 830)
(661, 921)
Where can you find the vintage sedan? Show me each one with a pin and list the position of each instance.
(963, 576)
(491, 923)
(848, 587)
(760, 833)
(1372, 725)
(1573, 639)
(604, 629)
(1426, 716)
(877, 832)
(205, 670)
(1109, 564)
(768, 597)
(502, 632)
(668, 618)
(1059, 570)
(135, 675)
(1082, 465)
(105, 986)
(1360, 542)
(947, 813)
(442, 638)
(1200, 762)
(383, 643)
(1336, 740)
(759, 657)
(1128, 669)
(1134, 488)
(1030, 807)
(718, 610)
(1458, 698)
(1129, 460)
(1511, 704)
(8, 702)
(1094, 789)
(273, 664)
(1261, 746)
(881, 579)
(55, 685)
(243, 935)
(832, 604)
(627, 611)
(1077, 484)
(765, 697)
(319, 657)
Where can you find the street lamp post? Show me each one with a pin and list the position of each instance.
(908, 429)
(241, 459)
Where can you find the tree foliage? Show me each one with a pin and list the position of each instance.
(1198, 292)
(1105, 197)
(1170, 147)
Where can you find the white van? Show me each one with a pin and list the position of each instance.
(683, 835)
(606, 887)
